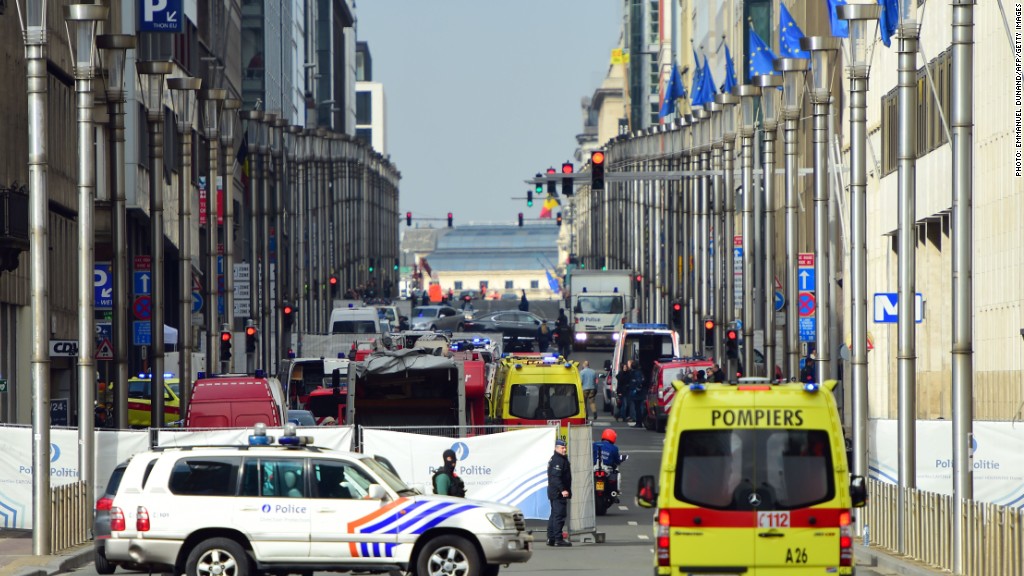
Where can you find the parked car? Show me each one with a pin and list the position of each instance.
(510, 323)
(101, 522)
(436, 317)
(301, 418)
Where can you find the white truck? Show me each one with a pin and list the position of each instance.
(600, 302)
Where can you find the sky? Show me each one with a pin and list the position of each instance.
(480, 95)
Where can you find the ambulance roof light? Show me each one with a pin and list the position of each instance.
(259, 435)
(260, 373)
(550, 359)
(615, 290)
(698, 387)
(811, 387)
(519, 366)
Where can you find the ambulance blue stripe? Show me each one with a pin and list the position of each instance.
(384, 524)
(441, 518)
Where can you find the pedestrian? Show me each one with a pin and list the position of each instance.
(445, 480)
(524, 304)
(588, 380)
(563, 334)
(622, 382)
(717, 374)
(637, 393)
(559, 493)
(543, 336)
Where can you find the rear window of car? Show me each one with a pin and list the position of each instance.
(115, 479)
(354, 327)
(754, 469)
(205, 476)
(425, 312)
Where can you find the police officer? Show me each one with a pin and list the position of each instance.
(445, 480)
(559, 493)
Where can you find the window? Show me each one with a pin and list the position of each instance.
(336, 479)
(458, 284)
(930, 132)
(725, 469)
(534, 284)
(543, 401)
(364, 108)
(209, 476)
(354, 327)
(509, 285)
(598, 305)
(274, 478)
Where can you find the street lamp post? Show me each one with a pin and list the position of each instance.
(861, 16)
(748, 95)
(228, 122)
(151, 75)
(81, 21)
(292, 143)
(305, 306)
(32, 18)
(252, 122)
(822, 49)
(279, 128)
(113, 49)
(266, 320)
(685, 234)
(183, 95)
(321, 225)
(702, 144)
(715, 216)
(212, 100)
(729, 102)
(793, 70)
(769, 85)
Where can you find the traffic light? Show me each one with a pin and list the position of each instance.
(639, 282)
(603, 263)
(677, 315)
(559, 219)
(288, 312)
(567, 182)
(449, 219)
(709, 333)
(597, 170)
(732, 344)
(395, 265)
(408, 218)
(250, 339)
(371, 268)
(552, 185)
(332, 283)
(520, 219)
(538, 188)
(225, 346)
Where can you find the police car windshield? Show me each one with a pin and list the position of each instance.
(389, 478)
(754, 469)
(543, 401)
(598, 305)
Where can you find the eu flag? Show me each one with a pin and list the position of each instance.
(790, 35)
(762, 59)
(730, 72)
(888, 20)
(695, 87)
(674, 90)
(840, 28)
(706, 90)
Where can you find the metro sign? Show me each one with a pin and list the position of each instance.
(887, 309)
(160, 16)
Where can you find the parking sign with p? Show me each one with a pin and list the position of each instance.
(160, 16)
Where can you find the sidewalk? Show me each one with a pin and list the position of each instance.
(16, 559)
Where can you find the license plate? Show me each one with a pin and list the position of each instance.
(599, 485)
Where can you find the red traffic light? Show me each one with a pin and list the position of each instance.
(225, 336)
(567, 168)
(709, 324)
(333, 281)
(551, 170)
(408, 218)
(597, 157)
(250, 331)
(731, 335)
(676, 306)
(287, 310)
(639, 278)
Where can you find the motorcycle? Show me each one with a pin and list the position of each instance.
(606, 485)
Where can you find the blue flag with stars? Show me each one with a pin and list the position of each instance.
(674, 90)
(762, 59)
(695, 87)
(730, 72)
(706, 91)
(888, 20)
(789, 36)
(840, 27)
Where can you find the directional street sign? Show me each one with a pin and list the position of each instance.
(142, 283)
(103, 286)
(780, 301)
(197, 302)
(141, 334)
(886, 307)
(805, 279)
(808, 329)
(160, 16)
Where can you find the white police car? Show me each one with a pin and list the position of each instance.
(291, 507)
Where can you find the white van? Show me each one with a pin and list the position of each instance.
(352, 320)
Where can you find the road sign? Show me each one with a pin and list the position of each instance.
(197, 302)
(59, 411)
(105, 350)
(806, 304)
(103, 286)
(160, 16)
(63, 348)
(887, 309)
(142, 263)
(3, 385)
(142, 283)
(142, 335)
(241, 272)
(780, 301)
(808, 329)
(104, 341)
(737, 272)
(143, 308)
(805, 260)
(805, 279)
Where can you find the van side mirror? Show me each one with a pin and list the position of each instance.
(858, 491)
(376, 492)
(646, 492)
(607, 364)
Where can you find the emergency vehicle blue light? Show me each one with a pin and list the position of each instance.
(550, 359)
(584, 288)
(615, 290)
(646, 326)
(698, 387)
(291, 354)
(342, 355)
(260, 373)
(200, 374)
(149, 376)
(259, 435)
(519, 366)
(811, 387)
(351, 305)
(568, 365)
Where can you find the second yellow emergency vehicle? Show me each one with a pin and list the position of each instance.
(534, 389)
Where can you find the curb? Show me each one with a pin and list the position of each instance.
(74, 559)
(901, 565)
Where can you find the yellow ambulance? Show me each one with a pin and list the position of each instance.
(536, 390)
(754, 481)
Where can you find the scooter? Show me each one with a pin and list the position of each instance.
(606, 485)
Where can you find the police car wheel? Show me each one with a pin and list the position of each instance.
(103, 566)
(448, 555)
(218, 557)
